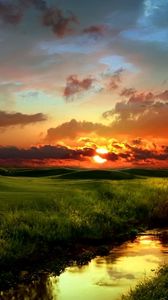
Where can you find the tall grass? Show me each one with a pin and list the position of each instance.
(37, 213)
(155, 288)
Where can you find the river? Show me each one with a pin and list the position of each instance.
(104, 278)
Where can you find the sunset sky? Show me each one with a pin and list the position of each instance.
(79, 76)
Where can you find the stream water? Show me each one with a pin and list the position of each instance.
(104, 278)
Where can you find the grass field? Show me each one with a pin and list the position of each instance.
(54, 207)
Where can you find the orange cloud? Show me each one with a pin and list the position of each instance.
(74, 129)
(15, 118)
(163, 95)
(142, 114)
(76, 86)
(133, 153)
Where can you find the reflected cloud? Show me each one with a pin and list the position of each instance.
(104, 277)
(41, 289)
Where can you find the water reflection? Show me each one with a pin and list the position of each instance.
(104, 277)
(41, 289)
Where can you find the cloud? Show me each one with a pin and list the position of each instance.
(115, 80)
(142, 114)
(73, 129)
(137, 150)
(15, 118)
(60, 24)
(141, 153)
(136, 154)
(137, 141)
(10, 13)
(142, 98)
(155, 12)
(51, 16)
(111, 80)
(38, 4)
(76, 86)
(106, 81)
(13, 13)
(44, 152)
(127, 92)
(135, 96)
(96, 30)
(163, 95)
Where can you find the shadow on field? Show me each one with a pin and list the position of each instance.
(72, 173)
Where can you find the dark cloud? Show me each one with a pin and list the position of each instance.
(45, 152)
(75, 86)
(137, 141)
(140, 154)
(138, 150)
(96, 30)
(73, 129)
(38, 4)
(16, 118)
(126, 153)
(10, 13)
(51, 16)
(60, 24)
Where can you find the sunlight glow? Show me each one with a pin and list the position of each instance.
(101, 150)
(99, 159)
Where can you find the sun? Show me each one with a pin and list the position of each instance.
(101, 151)
(97, 158)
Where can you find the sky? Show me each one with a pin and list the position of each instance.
(84, 83)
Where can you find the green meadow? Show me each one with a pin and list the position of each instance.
(45, 208)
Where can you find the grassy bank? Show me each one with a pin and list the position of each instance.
(38, 214)
(154, 289)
